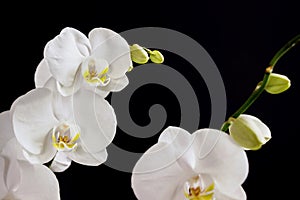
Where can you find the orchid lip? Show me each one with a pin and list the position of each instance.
(196, 188)
(65, 136)
(95, 71)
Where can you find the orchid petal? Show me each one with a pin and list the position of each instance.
(51, 84)
(96, 119)
(47, 153)
(42, 74)
(62, 107)
(33, 119)
(61, 162)
(56, 87)
(12, 151)
(116, 85)
(69, 90)
(3, 169)
(81, 156)
(160, 163)
(101, 93)
(6, 130)
(206, 152)
(112, 47)
(65, 53)
(13, 176)
(237, 194)
(163, 184)
(38, 182)
(220, 157)
(172, 144)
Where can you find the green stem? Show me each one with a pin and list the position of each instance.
(148, 50)
(261, 86)
(293, 42)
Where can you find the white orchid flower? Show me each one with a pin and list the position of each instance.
(205, 165)
(100, 61)
(19, 179)
(50, 126)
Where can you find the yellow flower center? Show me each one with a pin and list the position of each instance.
(62, 139)
(194, 189)
(95, 72)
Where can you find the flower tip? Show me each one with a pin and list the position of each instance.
(277, 84)
(138, 54)
(156, 57)
(130, 68)
(249, 132)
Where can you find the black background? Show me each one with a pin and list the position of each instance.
(241, 38)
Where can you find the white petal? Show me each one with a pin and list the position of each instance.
(45, 156)
(13, 150)
(64, 90)
(73, 88)
(33, 118)
(13, 178)
(42, 74)
(98, 36)
(81, 156)
(115, 85)
(56, 87)
(3, 188)
(112, 47)
(47, 153)
(6, 130)
(101, 93)
(209, 152)
(62, 107)
(65, 53)
(238, 194)
(38, 182)
(158, 174)
(96, 119)
(220, 157)
(10, 153)
(164, 184)
(172, 144)
(61, 162)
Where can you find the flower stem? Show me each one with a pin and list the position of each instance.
(261, 86)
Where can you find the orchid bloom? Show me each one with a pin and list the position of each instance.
(100, 61)
(205, 165)
(19, 179)
(50, 126)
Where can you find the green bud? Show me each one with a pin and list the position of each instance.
(138, 54)
(249, 132)
(277, 83)
(156, 57)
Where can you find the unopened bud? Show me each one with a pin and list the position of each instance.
(156, 57)
(249, 132)
(138, 54)
(277, 83)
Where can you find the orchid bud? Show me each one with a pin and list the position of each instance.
(249, 132)
(138, 54)
(156, 57)
(277, 83)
